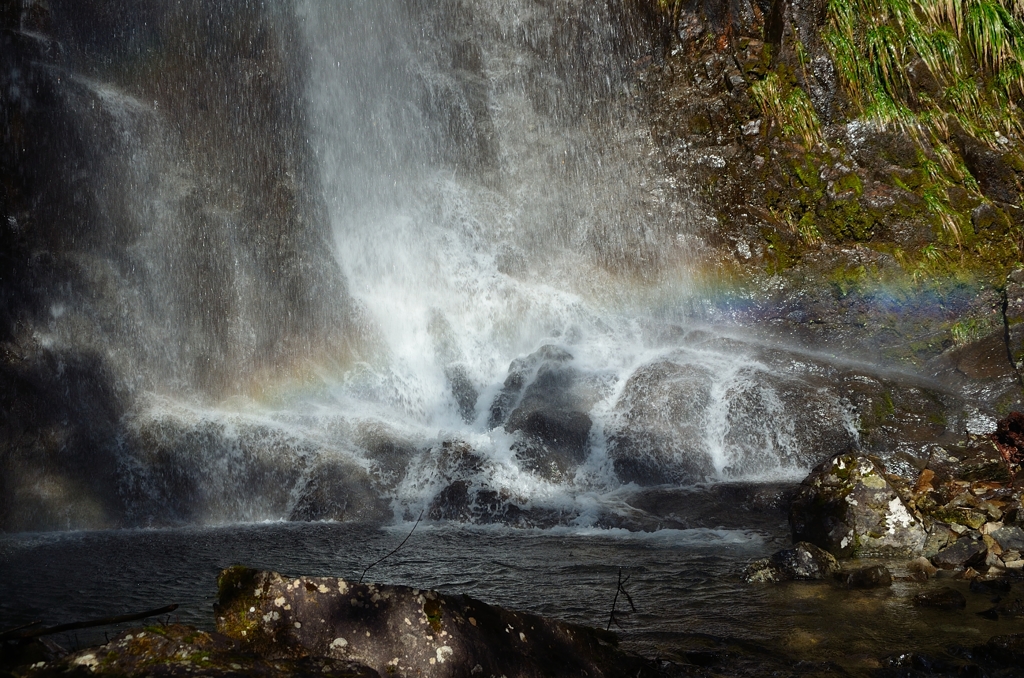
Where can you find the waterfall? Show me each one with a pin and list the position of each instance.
(362, 260)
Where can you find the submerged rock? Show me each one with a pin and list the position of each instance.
(871, 577)
(402, 631)
(848, 507)
(943, 599)
(802, 562)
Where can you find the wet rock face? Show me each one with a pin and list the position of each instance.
(725, 408)
(1014, 315)
(130, 239)
(546, 400)
(662, 405)
(802, 562)
(848, 507)
(399, 631)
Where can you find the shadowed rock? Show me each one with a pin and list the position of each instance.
(965, 552)
(943, 599)
(871, 577)
(546, 401)
(401, 631)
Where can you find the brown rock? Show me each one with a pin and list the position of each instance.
(943, 599)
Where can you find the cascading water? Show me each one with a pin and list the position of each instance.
(513, 341)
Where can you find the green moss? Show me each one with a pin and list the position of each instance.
(847, 280)
(847, 220)
(808, 172)
(235, 597)
(884, 408)
(849, 182)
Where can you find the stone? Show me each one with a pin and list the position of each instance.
(545, 400)
(922, 566)
(988, 587)
(766, 418)
(1009, 538)
(397, 630)
(871, 577)
(179, 650)
(802, 562)
(944, 598)
(1007, 648)
(848, 507)
(1013, 609)
(964, 553)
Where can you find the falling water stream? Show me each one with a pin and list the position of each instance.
(522, 357)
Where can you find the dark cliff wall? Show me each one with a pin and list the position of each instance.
(162, 228)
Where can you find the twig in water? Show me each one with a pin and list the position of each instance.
(10, 632)
(378, 562)
(620, 588)
(105, 621)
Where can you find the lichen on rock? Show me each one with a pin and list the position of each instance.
(848, 507)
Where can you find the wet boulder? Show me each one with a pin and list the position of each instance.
(870, 577)
(965, 552)
(848, 506)
(802, 562)
(660, 438)
(720, 407)
(402, 631)
(944, 598)
(337, 489)
(546, 401)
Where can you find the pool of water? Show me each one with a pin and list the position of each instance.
(691, 604)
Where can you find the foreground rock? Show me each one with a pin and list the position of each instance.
(848, 506)
(178, 650)
(400, 631)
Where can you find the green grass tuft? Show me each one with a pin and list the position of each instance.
(790, 107)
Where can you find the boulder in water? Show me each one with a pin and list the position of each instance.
(398, 630)
(546, 401)
(659, 441)
(721, 407)
(337, 489)
(848, 507)
(944, 598)
(802, 562)
(870, 577)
